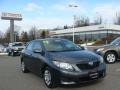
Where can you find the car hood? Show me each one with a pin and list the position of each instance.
(105, 46)
(19, 47)
(75, 56)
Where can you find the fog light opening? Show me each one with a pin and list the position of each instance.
(67, 83)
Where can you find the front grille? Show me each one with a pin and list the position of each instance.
(87, 66)
(20, 49)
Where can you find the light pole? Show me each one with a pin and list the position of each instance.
(73, 6)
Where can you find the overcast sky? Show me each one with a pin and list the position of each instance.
(53, 13)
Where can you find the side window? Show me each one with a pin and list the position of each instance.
(30, 46)
(37, 45)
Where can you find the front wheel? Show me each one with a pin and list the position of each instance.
(9, 53)
(49, 78)
(110, 57)
(12, 54)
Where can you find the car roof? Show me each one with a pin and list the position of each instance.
(16, 42)
(51, 39)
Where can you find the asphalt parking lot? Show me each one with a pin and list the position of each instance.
(11, 78)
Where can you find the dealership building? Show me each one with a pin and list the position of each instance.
(87, 33)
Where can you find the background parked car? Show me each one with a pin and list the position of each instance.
(15, 48)
(110, 52)
(1, 48)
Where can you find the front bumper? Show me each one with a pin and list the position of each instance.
(66, 77)
(17, 51)
(83, 78)
(101, 53)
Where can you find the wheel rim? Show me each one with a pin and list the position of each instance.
(47, 77)
(23, 66)
(111, 58)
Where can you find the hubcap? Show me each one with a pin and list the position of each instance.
(111, 58)
(47, 77)
(22, 66)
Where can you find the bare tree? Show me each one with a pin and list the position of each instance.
(98, 20)
(117, 19)
(1, 37)
(7, 36)
(43, 34)
(65, 27)
(1, 34)
(81, 21)
(32, 33)
(24, 37)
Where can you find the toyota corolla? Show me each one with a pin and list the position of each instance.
(59, 61)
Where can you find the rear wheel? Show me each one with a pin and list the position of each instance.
(49, 78)
(110, 57)
(23, 67)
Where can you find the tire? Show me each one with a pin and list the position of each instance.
(9, 53)
(12, 54)
(110, 57)
(23, 67)
(49, 78)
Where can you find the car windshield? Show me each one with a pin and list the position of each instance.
(59, 45)
(115, 42)
(17, 44)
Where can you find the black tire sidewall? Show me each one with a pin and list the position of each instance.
(9, 53)
(13, 54)
(52, 84)
(25, 69)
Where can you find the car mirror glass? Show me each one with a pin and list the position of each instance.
(117, 44)
(83, 48)
(37, 50)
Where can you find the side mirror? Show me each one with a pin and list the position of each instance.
(37, 50)
(84, 48)
(117, 44)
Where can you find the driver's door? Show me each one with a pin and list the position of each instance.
(37, 58)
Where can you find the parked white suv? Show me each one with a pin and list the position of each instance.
(15, 48)
(1, 48)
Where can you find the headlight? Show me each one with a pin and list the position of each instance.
(63, 65)
(100, 49)
(101, 59)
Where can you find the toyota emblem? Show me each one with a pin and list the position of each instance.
(91, 63)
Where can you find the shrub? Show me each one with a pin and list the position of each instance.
(99, 42)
